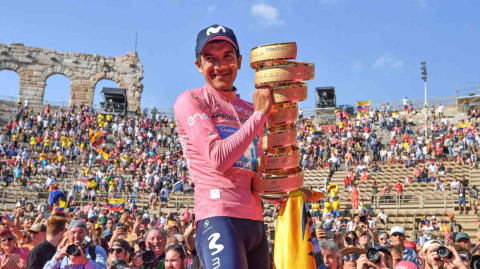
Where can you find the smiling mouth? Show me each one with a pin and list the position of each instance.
(220, 75)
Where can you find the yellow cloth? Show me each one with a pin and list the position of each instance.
(316, 207)
(105, 155)
(293, 246)
(335, 205)
(327, 207)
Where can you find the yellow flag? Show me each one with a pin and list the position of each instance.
(96, 136)
(104, 154)
(296, 246)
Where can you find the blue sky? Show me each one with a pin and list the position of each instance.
(366, 49)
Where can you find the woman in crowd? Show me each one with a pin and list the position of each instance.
(13, 257)
(120, 250)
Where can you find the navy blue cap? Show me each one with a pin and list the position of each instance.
(77, 223)
(215, 32)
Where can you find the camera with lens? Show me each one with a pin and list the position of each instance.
(444, 253)
(373, 255)
(148, 257)
(119, 264)
(349, 240)
(363, 218)
(475, 262)
(74, 250)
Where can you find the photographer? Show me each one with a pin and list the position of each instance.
(91, 257)
(119, 253)
(156, 240)
(437, 256)
(350, 255)
(376, 258)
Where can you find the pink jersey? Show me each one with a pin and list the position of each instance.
(221, 154)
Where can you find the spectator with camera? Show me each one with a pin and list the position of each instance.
(438, 256)
(350, 255)
(397, 238)
(119, 255)
(79, 251)
(154, 256)
(44, 251)
(376, 258)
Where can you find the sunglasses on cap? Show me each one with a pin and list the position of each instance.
(112, 250)
(353, 256)
(9, 239)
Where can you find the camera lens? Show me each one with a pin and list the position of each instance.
(373, 256)
(148, 256)
(475, 262)
(118, 264)
(444, 253)
(73, 250)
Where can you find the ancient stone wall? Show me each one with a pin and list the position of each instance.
(35, 65)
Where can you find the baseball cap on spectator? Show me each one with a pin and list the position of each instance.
(99, 226)
(6, 231)
(410, 245)
(38, 228)
(215, 32)
(431, 243)
(462, 236)
(397, 229)
(77, 223)
(406, 265)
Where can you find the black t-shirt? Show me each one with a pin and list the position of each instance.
(40, 255)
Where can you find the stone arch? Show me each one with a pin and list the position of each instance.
(35, 65)
(48, 96)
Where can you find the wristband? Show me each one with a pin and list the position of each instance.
(280, 161)
(272, 52)
(279, 139)
(280, 180)
(288, 72)
(286, 114)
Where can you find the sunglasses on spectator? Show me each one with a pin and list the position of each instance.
(397, 234)
(353, 256)
(463, 241)
(112, 250)
(177, 246)
(9, 239)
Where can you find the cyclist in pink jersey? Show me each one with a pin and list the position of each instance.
(221, 138)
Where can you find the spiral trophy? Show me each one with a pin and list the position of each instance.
(279, 170)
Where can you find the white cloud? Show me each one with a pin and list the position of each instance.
(397, 64)
(357, 66)
(387, 60)
(212, 8)
(267, 14)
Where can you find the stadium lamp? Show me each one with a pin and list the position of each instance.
(424, 78)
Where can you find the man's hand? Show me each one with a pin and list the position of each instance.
(81, 259)
(455, 260)
(263, 101)
(62, 253)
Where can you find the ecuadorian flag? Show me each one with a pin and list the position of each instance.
(363, 106)
(296, 246)
(116, 204)
(97, 139)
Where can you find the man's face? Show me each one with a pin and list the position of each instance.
(363, 240)
(330, 259)
(37, 237)
(397, 239)
(219, 64)
(432, 259)
(465, 243)
(173, 260)
(77, 235)
(27, 223)
(156, 242)
(110, 225)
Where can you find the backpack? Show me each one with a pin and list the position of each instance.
(91, 252)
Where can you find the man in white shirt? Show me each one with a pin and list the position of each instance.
(432, 168)
(382, 217)
(440, 110)
(455, 184)
(50, 181)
